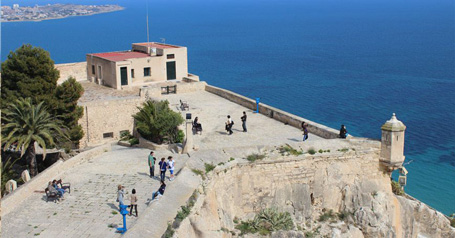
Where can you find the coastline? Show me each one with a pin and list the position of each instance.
(56, 18)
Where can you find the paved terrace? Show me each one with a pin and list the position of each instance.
(89, 209)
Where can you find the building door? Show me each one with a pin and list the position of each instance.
(170, 67)
(124, 76)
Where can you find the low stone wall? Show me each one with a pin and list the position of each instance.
(39, 183)
(77, 70)
(154, 90)
(275, 113)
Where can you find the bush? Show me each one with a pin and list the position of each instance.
(254, 157)
(180, 137)
(396, 188)
(134, 141)
(125, 135)
(327, 215)
(452, 220)
(266, 221)
(311, 151)
(288, 149)
(169, 233)
(155, 121)
(198, 172)
(209, 167)
(321, 151)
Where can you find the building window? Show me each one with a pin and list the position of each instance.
(132, 73)
(146, 71)
(108, 135)
(170, 56)
(93, 69)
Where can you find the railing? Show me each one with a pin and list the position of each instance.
(169, 89)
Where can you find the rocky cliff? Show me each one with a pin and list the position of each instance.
(342, 194)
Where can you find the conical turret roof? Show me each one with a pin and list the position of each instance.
(393, 124)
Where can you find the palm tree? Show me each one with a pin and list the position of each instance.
(23, 124)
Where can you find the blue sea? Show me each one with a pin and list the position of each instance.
(351, 62)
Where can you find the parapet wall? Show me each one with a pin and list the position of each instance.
(39, 183)
(275, 113)
(77, 70)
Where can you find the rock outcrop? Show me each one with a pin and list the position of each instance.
(339, 195)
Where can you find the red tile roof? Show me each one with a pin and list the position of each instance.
(120, 56)
(157, 45)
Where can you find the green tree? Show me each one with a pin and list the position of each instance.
(67, 94)
(155, 121)
(29, 72)
(24, 124)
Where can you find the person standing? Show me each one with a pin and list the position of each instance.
(133, 200)
(305, 131)
(171, 164)
(343, 132)
(163, 167)
(151, 162)
(229, 124)
(120, 195)
(243, 118)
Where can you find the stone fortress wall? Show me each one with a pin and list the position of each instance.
(353, 182)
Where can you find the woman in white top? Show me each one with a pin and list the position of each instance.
(171, 164)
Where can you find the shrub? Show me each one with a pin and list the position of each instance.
(231, 159)
(198, 172)
(125, 135)
(343, 215)
(343, 150)
(183, 213)
(452, 220)
(254, 157)
(321, 151)
(327, 215)
(396, 188)
(288, 149)
(134, 141)
(169, 233)
(266, 221)
(155, 121)
(209, 167)
(180, 137)
(311, 151)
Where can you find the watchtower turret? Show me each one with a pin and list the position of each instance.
(392, 143)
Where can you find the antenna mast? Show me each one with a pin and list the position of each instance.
(147, 6)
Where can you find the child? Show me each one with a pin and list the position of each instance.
(133, 200)
(160, 191)
(171, 164)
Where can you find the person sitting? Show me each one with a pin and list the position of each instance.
(160, 191)
(64, 187)
(196, 125)
(343, 132)
(51, 189)
(60, 191)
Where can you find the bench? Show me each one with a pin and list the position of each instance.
(65, 186)
(184, 105)
(50, 195)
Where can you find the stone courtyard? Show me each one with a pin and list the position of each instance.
(91, 209)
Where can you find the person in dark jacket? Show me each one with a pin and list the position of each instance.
(305, 131)
(160, 191)
(343, 132)
(243, 118)
(163, 167)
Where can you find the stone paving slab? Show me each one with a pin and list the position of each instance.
(90, 207)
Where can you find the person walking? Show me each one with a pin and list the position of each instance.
(243, 118)
(305, 131)
(120, 195)
(151, 162)
(163, 167)
(229, 124)
(133, 200)
(170, 165)
(343, 132)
